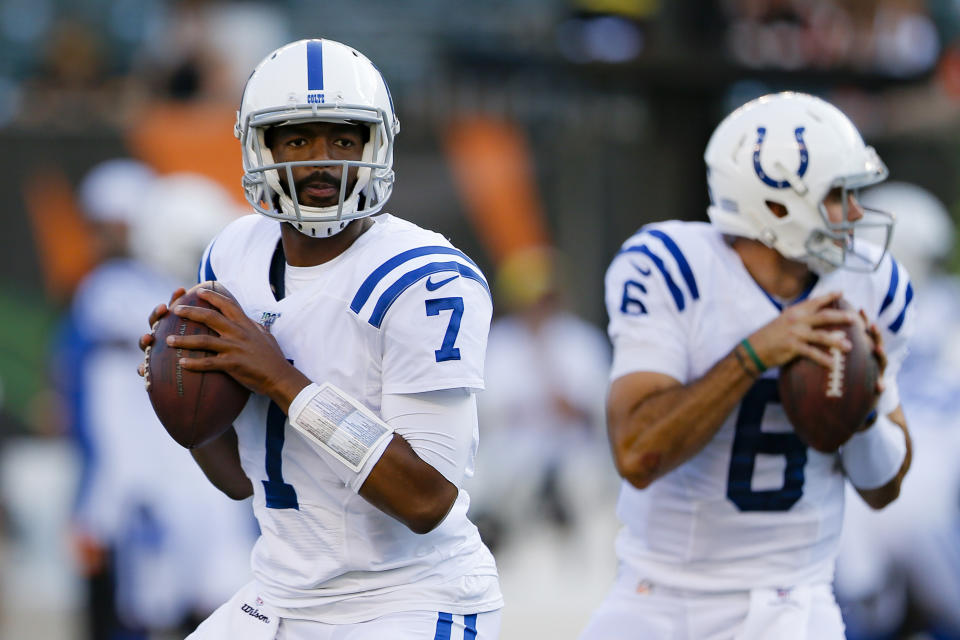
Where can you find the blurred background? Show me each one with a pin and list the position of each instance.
(538, 135)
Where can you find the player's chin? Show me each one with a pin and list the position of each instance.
(320, 203)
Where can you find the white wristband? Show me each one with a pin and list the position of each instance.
(341, 426)
(872, 458)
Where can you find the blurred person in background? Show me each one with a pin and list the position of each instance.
(898, 571)
(544, 456)
(731, 523)
(361, 537)
(140, 523)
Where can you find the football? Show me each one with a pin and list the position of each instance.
(827, 406)
(194, 407)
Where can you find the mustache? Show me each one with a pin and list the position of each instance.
(319, 179)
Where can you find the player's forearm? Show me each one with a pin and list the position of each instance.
(220, 461)
(669, 427)
(409, 489)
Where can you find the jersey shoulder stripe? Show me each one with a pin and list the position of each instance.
(898, 322)
(656, 244)
(677, 254)
(899, 296)
(892, 289)
(404, 282)
(378, 274)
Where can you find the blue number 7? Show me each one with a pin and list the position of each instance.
(447, 351)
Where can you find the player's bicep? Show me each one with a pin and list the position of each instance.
(435, 337)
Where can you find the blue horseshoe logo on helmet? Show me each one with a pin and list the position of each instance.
(804, 158)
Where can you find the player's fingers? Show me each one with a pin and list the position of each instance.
(831, 316)
(176, 294)
(201, 342)
(819, 356)
(158, 312)
(828, 339)
(201, 364)
(881, 356)
(145, 341)
(210, 317)
(225, 305)
(821, 301)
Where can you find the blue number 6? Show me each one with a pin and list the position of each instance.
(447, 351)
(749, 441)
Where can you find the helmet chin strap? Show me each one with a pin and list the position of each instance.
(319, 229)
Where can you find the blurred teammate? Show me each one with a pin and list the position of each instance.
(731, 522)
(141, 496)
(543, 456)
(363, 341)
(899, 570)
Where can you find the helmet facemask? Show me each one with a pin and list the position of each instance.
(841, 244)
(265, 191)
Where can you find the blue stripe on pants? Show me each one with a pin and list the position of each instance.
(444, 625)
(470, 627)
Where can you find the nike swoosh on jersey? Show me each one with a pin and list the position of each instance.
(433, 286)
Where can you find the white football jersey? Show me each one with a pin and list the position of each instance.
(755, 507)
(400, 311)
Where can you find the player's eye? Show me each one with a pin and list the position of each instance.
(345, 143)
(296, 143)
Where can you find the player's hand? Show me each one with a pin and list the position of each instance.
(243, 349)
(797, 332)
(146, 340)
(878, 351)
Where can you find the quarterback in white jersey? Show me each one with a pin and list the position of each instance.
(731, 523)
(363, 341)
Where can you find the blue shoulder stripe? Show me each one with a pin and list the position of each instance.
(892, 290)
(685, 269)
(206, 268)
(412, 277)
(363, 293)
(674, 289)
(896, 324)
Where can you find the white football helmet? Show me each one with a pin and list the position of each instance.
(792, 149)
(311, 81)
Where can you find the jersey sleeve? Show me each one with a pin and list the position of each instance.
(434, 334)
(650, 289)
(896, 320)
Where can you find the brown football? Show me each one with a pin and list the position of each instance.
(194, 407)
(827, 406)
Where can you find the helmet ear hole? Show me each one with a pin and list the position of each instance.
(776, 208)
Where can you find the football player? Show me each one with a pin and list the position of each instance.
(362, 339)
(731, 523)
